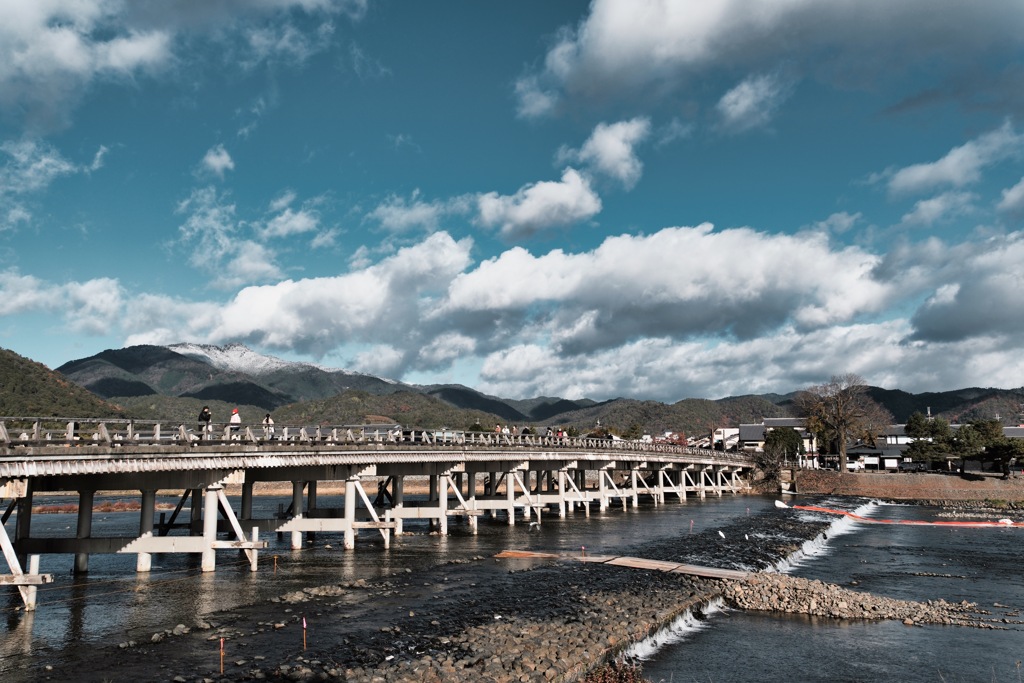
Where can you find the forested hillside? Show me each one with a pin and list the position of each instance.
(28, 389)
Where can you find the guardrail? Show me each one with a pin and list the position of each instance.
(50, 432)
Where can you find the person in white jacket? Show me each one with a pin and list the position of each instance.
(234, 423)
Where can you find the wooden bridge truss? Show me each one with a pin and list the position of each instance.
(466, 476)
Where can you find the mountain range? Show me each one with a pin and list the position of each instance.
(173, 382)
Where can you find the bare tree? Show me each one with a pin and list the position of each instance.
(842, 411)
(779, 445)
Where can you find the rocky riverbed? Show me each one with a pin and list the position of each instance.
(794, 595)
(496, 620)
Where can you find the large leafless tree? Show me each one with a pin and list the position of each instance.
(842, 411)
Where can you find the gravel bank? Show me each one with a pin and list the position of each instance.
(794, 595)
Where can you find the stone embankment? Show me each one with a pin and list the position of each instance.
(793, 595)
(938, 489)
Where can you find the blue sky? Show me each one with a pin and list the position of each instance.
(615, 198)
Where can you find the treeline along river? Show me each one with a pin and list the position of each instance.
(102, 626)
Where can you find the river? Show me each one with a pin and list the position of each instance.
(907, 562)
(80, 616)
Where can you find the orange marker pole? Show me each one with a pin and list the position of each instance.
(222, 656)
(303, 632)
(583, 550)
(275, 564)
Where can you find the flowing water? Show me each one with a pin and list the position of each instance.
(906, 562)
(113, 604)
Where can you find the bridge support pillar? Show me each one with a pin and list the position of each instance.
(583, 487)
(527, 488)
(471, 501)
(311, 495)
(210, 505)
(145, 560)
(195, 527)
(568, 481)
(510, 496)
(633, 476)
(85, 500)
(491, 489)
(246, 509)
(297, 487)
(398, 501)
(561, 493)
(432, 499)
(310, 505)
(350, 512)
(442, 504)
(602, 492)
(23, 527)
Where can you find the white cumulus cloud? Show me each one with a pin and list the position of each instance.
(85, 307)
(53, 51)
(217, 242)
(626, 46)
(28, 167)
(611, 150)
(1012, 200)
(962, 165)
(753, 102)
(941, 207)
(217, 161)
(398, 214)
(540, 206)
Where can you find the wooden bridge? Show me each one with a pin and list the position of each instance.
(466, 475)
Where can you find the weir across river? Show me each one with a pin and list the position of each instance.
(466, 475)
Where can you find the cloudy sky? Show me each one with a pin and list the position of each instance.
(636, 198)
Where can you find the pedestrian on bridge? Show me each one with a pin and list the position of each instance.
(268, 427)
(204, 422)
(235, 422)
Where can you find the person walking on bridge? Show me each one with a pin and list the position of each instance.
(268, 427)
(235, 422)
(204, 422)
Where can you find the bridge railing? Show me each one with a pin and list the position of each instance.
(18, 432)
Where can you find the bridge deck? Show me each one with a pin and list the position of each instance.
(471, 475)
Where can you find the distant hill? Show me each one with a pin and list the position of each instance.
(957, 406)
(690, 416)
(30, 389)
(232, 374)
(173, 382)
(407, 408)
(466, 398)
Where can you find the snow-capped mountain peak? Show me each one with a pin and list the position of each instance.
(240, 358)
